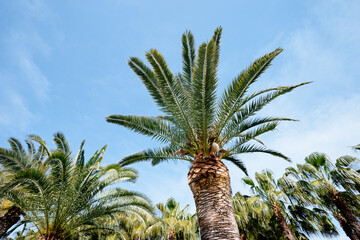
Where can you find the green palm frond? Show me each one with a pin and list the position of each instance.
(232, 96)
(40, 141)
(238, 126)
(148, 78)
(188, 53)
(237, 162)
(156, 128)
(216, 38)
(16, 146)
(252, 107)
(357, 147)
(251, 148)
(204, 91)
(155, 156)
(80, 156)
(61, 143)
(175, 97)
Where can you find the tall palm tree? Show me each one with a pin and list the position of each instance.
(63, 195)
(174, 222)
(336, 188)
(199, 129)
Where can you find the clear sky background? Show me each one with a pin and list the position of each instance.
(63, 67)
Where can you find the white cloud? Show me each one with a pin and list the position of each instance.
(38, 81)
(14, 113)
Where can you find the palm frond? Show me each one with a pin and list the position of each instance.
(13, 161)
(252, 135)
(232, 96)
(217, 37)
(253, 105)
(238, 126)
(251, 148)
(156, 128)
(237, 162)
(154, 155)
(16, 146)
(188, 54)
(61, 143)
(204, 91)
(148, 78)
(39, 140)
(177, 100)
(80, 157)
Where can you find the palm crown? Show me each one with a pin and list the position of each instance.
(194, 123)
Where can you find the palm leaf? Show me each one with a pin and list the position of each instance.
(204, 91)
(156, 128)
(251, 148)
(188, 53)
(154, 155)
(237, 163)
(232, 96)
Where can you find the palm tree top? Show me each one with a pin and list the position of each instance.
(195, 123)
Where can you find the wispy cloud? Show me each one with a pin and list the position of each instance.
(38, 81)
(14, 113)
(22, 77)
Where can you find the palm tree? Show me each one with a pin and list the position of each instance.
(64, 196)
(335, 186)
(19, 160)
(198, 129)
(268, 190)
(174, 223)
(254, 218)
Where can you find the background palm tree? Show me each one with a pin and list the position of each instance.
(174, 222)
(12, 161)
(201, 130)
(276, 199)
(63, 195)
(336, 188)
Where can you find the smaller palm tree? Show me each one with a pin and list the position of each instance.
(336, 188)
(268, 190)
(63, 195)
(174, 223)
(254, 219)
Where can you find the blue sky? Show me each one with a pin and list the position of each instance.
(63, 68)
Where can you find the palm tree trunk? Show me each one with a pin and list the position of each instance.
(346, 227)
(346, 213)
(242, 237)
(281, 220)
(172, 234)
(209, 182)
(10, 218)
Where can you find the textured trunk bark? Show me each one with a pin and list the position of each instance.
(209, 182)
(242, 237)
(10, 218)
(346, 213)
(281, 220)
(346, 227)
(172, 234)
